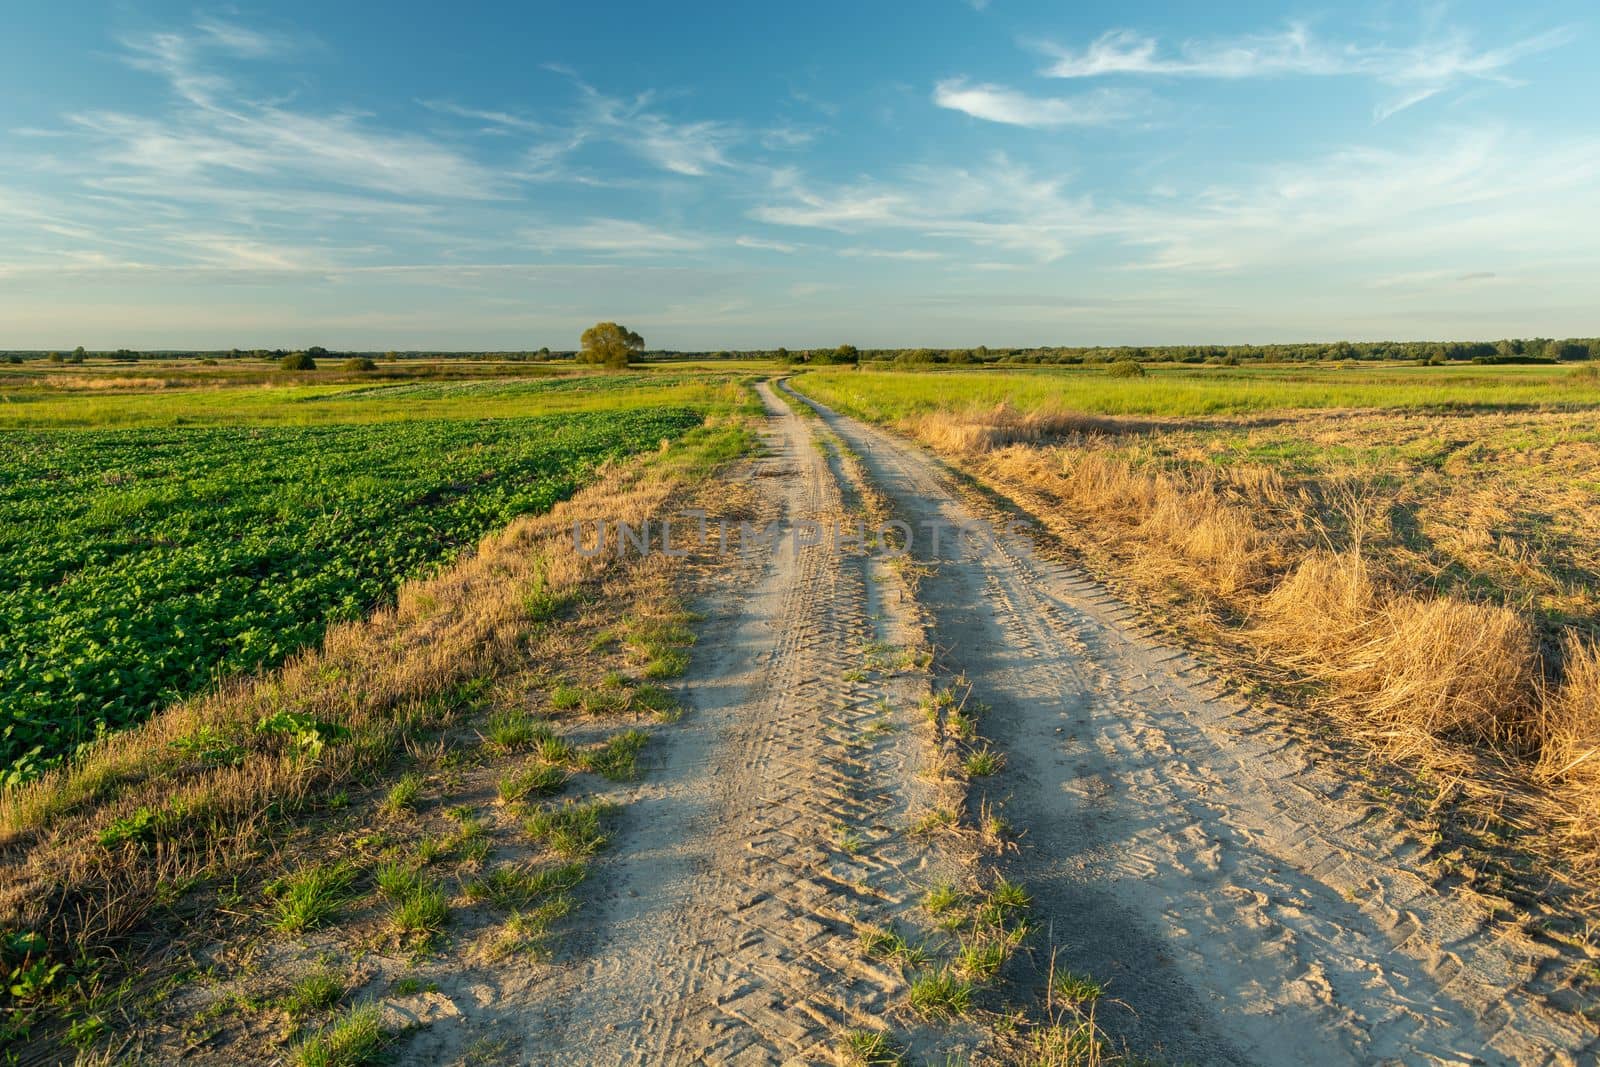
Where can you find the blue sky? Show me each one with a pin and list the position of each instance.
(749, 175)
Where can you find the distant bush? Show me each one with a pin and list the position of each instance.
(13, 359)
(359, 363)
(1125, 369)
(298, 361)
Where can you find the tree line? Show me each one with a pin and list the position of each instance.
(610, 344)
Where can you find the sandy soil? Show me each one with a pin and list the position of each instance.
(727, 927)
(1237, 901)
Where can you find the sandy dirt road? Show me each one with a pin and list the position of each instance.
(1237, 903)
(771, 825)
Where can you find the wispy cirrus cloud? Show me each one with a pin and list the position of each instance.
(612, 236)
(997, 103)
(1000, 206)
(218, 129)
(908, 255)
(1463, 195)
(639, 125)
(765, 245)
(1415, 71)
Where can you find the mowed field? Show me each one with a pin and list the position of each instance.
(1414, 550)
(1272, 728)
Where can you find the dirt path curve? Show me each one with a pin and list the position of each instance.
(764, 831)
(1232, 897)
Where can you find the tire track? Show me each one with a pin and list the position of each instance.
(729, 934)
(1236, 902)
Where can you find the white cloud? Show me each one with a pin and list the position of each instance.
(1001, 206)
(1417, 71)
(906, 254)
(217, 128)
(1466, 195)
(609, 236)
(765, 245)
(997, 103)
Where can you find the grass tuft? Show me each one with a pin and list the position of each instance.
(403, 794)
(422, 909)
(310, 897)
(541, 779)
(870, 1048)
(983, 762)
(940, 994)
(318, 991)
(572, 830)
(354, 1039)
(617, 758)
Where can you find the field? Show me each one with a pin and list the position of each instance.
(1415, 550)
(1275, 723)
(1177, 390)
(141, 565)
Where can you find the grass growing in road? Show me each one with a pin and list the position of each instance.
(539, 779)
(355, 1039)
(940, 994)
(869, 1048)
(571, 830)
(517, 886)
(617, 757)
(403, 794)
(317, 991)
(422, 908)
(310, 897)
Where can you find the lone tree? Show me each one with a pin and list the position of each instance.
(609, 344)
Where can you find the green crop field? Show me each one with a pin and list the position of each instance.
(1191, 391)
(137, 565)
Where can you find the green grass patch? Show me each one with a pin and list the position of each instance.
(572, 830)
(355, 1039)
(318, 991)
(617, 757)
(940, 994)
(540, 779)
(518, 886)
(310, 897)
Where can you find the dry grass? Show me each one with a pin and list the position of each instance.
(1403, 630)
(1418, 668)
(1569, 757)
(1004, 425)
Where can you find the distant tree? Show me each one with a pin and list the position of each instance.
(316, 351)
(13, 358)
(609, 345)
(54, 357)
(298, 361)
(391, 357)
(960, 356)
(359, 363)
(1125, 368)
